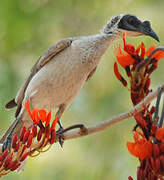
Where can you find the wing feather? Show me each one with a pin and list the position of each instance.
(44, 59)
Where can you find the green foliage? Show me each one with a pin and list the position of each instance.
(27, 28)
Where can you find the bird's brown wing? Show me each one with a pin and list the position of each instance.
(45, 58)
(91, 74)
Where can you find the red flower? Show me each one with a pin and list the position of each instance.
(141, 148)
(30, 142)
(160, 134)
(148, 143)
(127, 58)
(40, 115)
(124, 59)
(130, 54)
(158, 55)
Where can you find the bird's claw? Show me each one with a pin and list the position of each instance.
(7, 143)
(61, 136)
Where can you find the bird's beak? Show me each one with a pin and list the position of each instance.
(145, 28)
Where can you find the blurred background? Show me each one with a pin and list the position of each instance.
(29, 27)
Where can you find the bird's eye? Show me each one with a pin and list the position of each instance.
(131, 21)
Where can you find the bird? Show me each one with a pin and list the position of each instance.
(59, 74)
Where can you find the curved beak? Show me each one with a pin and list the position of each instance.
(145, 28)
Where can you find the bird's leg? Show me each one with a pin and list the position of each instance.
(58, 115)
(8, 139)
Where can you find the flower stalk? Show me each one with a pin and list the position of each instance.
(148, 134)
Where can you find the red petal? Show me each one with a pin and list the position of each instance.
(53, 126)
(35, 118)
(15, 167)
(161, 147)
(42, 115)
(157, 165)
(156, 150)
(158, 55)
(142, 48)
(48, 119)
(141, 148)
(8, 159)
(24, 156)
(53, 137)
(26, 135)
(5, 153)
(160, 134)
(140, 121)
(29, 142)
(162, 161)
(22, 132)
(27, 107)
(1, 163)
(34, 131)
(47, 131)
(129, 48)
(130, 178)
(151, 48)
(118, 75)
(14, 141)
(124, 59)
(11, 164)
(39, 136)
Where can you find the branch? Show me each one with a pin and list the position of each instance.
(84, 131)
(77, 133)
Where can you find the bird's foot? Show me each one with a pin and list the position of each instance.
(61, 136)
(7, 143)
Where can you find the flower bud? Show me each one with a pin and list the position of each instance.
(34, 131)
(14, 141)
(30, 138)
(24, 156)
(26, 135)
(22, 132)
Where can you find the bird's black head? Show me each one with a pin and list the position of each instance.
(131, 25)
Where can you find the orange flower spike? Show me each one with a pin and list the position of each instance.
(160, 134)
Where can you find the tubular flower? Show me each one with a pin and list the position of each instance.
(141, 148)
(30, 142)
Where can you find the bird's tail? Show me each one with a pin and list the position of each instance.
(16, 130)
(24, 120)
